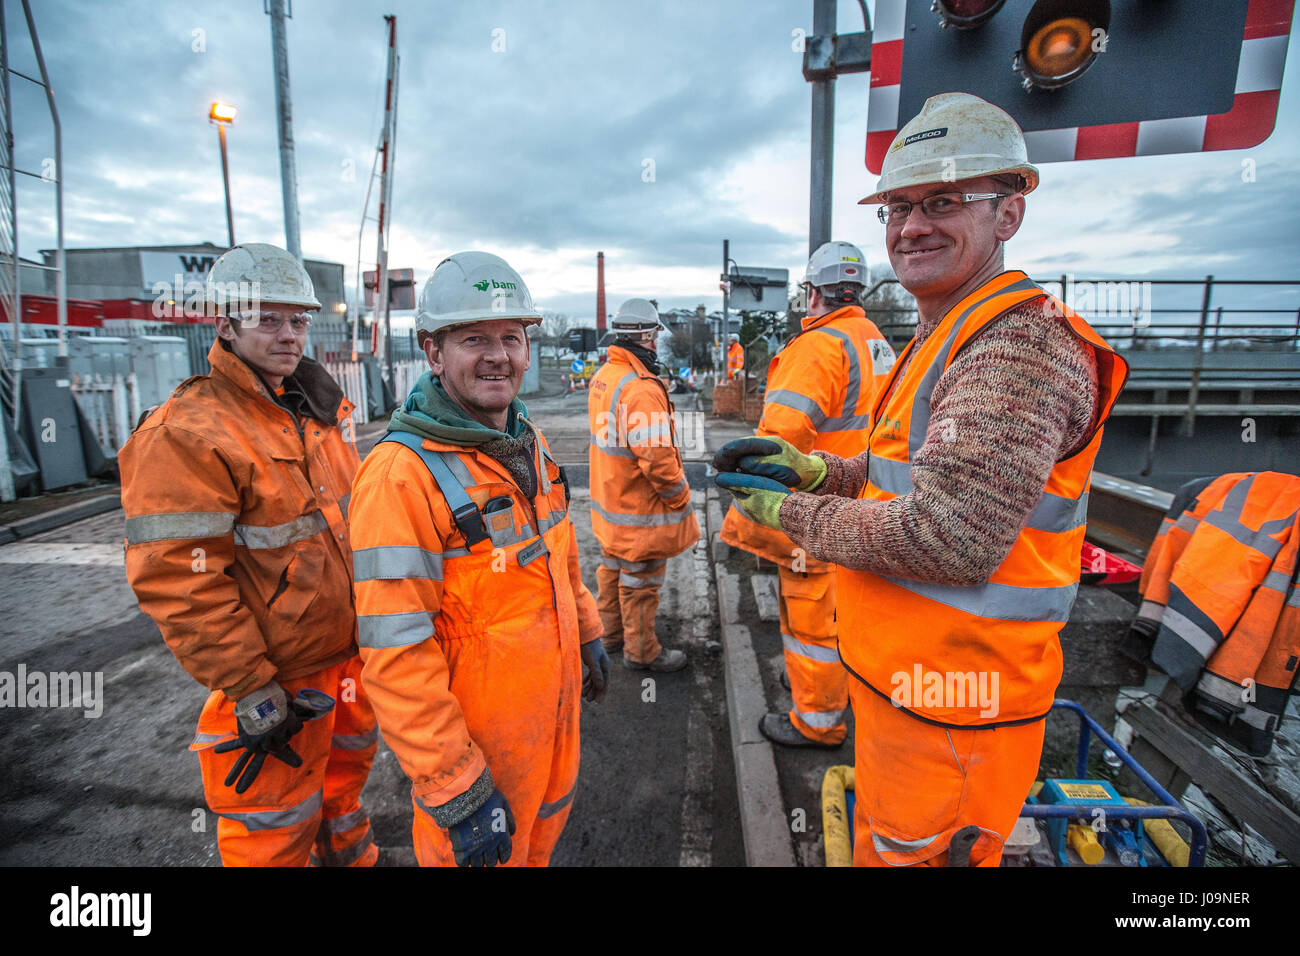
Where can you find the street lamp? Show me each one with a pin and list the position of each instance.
(223, 114)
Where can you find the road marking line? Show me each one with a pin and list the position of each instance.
(697, 790)
(26, 552)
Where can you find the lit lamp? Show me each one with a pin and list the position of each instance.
(223, 114)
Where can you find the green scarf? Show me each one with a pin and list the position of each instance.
(430, 413)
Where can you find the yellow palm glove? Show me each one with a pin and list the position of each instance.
(758, 497)
(771, 457)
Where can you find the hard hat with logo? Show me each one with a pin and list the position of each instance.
(258, 271)
(473, 287)
(637, 315)
(955, 136)
(834, 263)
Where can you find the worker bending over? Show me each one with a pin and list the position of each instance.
(640, 501)
(474, 621)
(820, 389)
(235, 492)
(958, 531)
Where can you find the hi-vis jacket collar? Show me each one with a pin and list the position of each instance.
(815, 321)
(323, 394)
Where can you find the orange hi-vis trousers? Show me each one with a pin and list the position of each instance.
(628, 600)
(292, 816)
(818, 681)
(917, 784)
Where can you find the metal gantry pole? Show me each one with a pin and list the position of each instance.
(225, 179)
(284, 113)
(822, 139)
(726, 307)
(385, 196)
(61, 286)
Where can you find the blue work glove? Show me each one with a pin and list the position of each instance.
(266, 721)
(596, 660)
(758, 497)
(483, 837)
(771, 457)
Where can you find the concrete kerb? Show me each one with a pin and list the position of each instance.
(58, 517)
(763, 820)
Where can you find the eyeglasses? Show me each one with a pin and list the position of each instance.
(934, 207)
(271, 322)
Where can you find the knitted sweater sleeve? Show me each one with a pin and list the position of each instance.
(1018, 398)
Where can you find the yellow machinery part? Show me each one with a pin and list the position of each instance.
(1162, 833)
(835, 816)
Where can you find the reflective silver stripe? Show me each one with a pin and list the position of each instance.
(829, 655)
(1150, 611)
(457, 466)
(649, 580)
(999, 602)
(343, 503)
(1057, 514)
(1255, 540)
(893, 477)
(651, 433)
(279, 535)
(181, 524)
(675, 490)
(1198, 639)
(884, 844)
(1293, 600)
(611, 448)
(551, 520)
(611, 563)
(396, 563)
(1187, 522)
(274, 819)
(822, 721)
(355, 741)
(1277, 581)
(642, 521)
(853, 389)
(349, 855)
(1221, 689)
(555, 806)
(344, 823)
(394, 630)
(1259, 719)
(800, 403)
(638, 566)
(845, 424)
(213, 738)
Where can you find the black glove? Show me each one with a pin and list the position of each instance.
(483, 837)
(266, 722)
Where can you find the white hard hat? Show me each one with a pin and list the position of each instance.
(836, 262)
(473, 287)
(253, 271)
(955, 136)
(733, 337)
(637, 315)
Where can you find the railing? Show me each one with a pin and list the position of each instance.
(112, 406)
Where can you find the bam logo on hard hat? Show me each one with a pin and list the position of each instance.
(917, 137)
(483, 284)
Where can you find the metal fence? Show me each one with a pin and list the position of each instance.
(112, 406)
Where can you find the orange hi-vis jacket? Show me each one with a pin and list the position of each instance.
(820, 390)
(1220, 598)
(735, 360)
(471, 610)
(933, 643)
(640, 501)
(236, 539)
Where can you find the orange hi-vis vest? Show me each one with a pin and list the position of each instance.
(1220, 599)
(820, 390)
(939, 649)
(640, 499)
(735, 359)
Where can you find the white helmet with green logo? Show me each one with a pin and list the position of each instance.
(835, 262)
(473, 287)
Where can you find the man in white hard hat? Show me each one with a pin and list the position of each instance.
(958, 531)
(235, 493)
(820, 390)
(474, 621)
(640, 500)
(735, 357)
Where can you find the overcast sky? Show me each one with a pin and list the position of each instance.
(542, 149)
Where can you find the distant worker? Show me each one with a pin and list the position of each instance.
(640, 500)
(735, 357)
(958, 531)
(820, 391)
(474, 621)
(235, 492)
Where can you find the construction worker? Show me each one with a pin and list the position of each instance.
(470, 604)
(957, 533)
(236, 492)
(735, 357)
(820, 389)
(640, 500)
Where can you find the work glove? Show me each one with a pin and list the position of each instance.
(266, 721)
(758, 497)
(483, 837)
(771, 457)
(596, 660)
